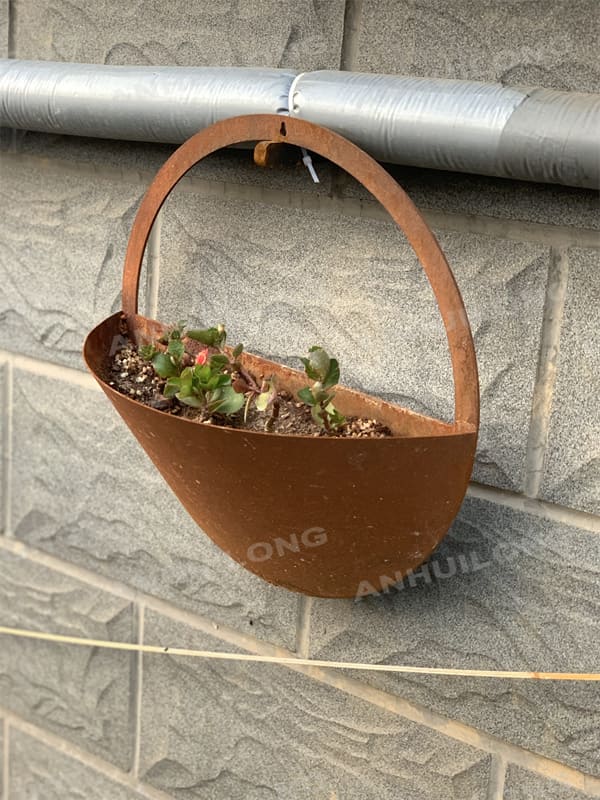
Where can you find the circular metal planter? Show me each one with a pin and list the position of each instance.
(319, 515)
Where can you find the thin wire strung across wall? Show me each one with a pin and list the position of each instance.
(293, 661)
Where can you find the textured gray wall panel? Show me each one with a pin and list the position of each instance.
(523, 785)
(256, 731)
(84, 695)
(39, 773)
(505, 590)
(551, 43)
(271, 33)
(62, 240)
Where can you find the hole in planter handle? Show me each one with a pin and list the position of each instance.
(283, 130)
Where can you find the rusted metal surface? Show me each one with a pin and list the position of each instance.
(323, 516)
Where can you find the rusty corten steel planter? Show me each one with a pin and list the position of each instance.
(324, 516)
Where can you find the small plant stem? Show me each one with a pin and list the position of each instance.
(274, 414)
(237, 367)
(248, 378)
(247, 406)
(326, 420)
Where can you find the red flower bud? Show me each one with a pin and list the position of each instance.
(202, 357)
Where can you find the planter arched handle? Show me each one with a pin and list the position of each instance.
(372, 176)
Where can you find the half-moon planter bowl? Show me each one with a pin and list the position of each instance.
(325, 516)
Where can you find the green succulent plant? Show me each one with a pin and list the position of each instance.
(325, 372)
(207, 387)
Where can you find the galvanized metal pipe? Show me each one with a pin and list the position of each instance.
(149, 104)
(528, 133)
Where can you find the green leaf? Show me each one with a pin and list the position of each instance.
(262, 401)
(172, 332)
(224, 380)
(208, 337)
(319, 361)
(164, 366)
(192, 400)
(186, 382)
(176, 330)
(203, 373)
(229, 401)
(176, 349)
(321, 395)
(306, 396)
(333, 375)
(335, 417)
(218, 361)
(212, 337)
(148, 351)
(310, 370)
(237, 351)
(172, 386)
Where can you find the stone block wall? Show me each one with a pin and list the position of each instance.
(92, 542)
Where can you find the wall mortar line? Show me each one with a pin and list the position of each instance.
(11, 33)
(590, 523)
(497, 778)
(543, 394)
(49, 369)
(139, 694)
(133, 595)
(5, 758)
(351, 35)
(303, 629)
(7, 444)
(10, 137)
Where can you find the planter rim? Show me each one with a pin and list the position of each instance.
(446, 428)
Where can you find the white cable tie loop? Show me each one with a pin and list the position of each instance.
(292, 92)
(307, 161)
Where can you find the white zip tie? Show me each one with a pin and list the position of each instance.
(295, 662)
(292, 92)
(307, 161)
